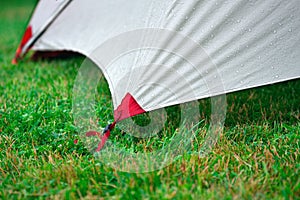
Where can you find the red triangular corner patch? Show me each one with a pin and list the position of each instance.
(129, 107)
(26, 37)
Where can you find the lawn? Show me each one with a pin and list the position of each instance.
(256, 157)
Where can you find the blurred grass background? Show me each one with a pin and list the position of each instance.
(257, 156)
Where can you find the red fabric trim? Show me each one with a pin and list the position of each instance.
(26, 37)
(129, 107)
(103, 141)
(92, 133)
(102, 138)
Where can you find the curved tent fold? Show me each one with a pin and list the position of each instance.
(158, 53)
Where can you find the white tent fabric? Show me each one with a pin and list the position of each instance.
(44, 14)
(162, 53)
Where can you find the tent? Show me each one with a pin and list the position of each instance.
(157, 53)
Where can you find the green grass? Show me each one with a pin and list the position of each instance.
(257, 156)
